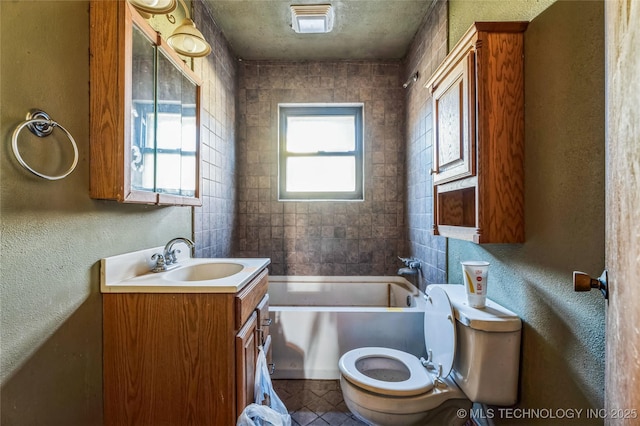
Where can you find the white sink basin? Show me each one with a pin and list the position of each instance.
(205, 271)
(131, 273)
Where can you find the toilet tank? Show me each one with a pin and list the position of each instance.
(487, 359)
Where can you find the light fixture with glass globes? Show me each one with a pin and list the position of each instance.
(185, 39)
(154, 7)
(188, 41)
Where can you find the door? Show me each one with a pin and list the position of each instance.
(622, 68)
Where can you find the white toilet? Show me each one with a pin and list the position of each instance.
(473, 356)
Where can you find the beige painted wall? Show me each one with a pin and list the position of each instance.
(563, 336)
(52, 233)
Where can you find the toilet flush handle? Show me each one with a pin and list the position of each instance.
(583, 282)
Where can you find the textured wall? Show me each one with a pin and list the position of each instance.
(52, 233)
(427, 51)
(321, 238)
(463, 13)
(563, 337)
(213, 222)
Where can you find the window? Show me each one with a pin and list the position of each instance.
(320, 152)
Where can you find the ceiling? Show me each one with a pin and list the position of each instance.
(363, 29)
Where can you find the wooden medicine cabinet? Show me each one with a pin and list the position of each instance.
(145, 113)
(478, 122)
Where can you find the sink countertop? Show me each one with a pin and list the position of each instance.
(130, 273)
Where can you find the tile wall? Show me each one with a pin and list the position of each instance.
(321, 238)
(213, 222)
(428, 50)
(241, 215)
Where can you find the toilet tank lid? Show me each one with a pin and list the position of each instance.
(492, 318)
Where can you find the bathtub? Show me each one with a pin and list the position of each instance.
(315, 320)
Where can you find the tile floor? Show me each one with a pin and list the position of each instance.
(315, 403)
(318, 403)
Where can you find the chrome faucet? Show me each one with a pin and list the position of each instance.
(170, 252)
(412, 266)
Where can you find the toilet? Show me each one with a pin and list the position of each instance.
(472, 356)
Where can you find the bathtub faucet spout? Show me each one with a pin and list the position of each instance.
(407, 271)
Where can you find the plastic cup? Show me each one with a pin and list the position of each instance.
(474, 275)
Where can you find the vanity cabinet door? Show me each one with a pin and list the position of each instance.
(246, 356)
(168, 358)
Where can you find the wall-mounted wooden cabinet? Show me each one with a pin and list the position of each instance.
(145, 112)
(478, 122)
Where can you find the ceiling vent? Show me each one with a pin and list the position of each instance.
(312, 18)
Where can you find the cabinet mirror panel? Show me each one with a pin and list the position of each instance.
(142, 112)
(176, 131)
(164, 122)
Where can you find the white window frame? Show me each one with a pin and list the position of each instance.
(286, 110)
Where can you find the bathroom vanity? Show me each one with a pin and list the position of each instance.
(183, 352)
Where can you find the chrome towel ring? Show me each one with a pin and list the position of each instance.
(41, 125)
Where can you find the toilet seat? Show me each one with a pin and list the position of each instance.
(440, 341)
(419, 381)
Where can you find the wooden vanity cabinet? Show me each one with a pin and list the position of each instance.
(181, 359)
(478, 121)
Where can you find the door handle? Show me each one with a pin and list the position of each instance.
(583, 282)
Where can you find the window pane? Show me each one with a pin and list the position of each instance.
(321, 174)
(168, 182)
(328, 133)
(169, 131)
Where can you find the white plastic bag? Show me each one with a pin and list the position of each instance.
(255, 415)
(268, 409)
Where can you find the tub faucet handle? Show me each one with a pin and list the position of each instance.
(411, 262)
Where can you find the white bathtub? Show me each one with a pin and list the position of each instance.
(315, 320)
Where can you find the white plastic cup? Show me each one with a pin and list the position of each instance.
(474, 276)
